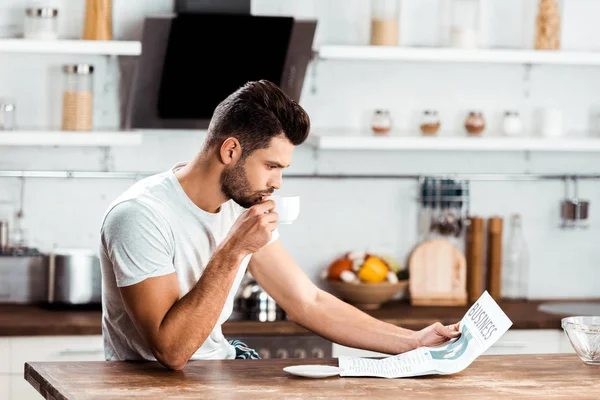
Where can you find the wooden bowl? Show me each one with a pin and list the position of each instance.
(367, 296)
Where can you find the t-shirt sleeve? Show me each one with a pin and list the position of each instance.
(137, 242)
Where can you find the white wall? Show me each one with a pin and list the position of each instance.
(338, 215)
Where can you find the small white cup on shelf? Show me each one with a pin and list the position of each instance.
(552, 122)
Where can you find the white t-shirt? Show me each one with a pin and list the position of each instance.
(154, 229)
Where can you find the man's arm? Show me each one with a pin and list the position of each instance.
(307, 305)
(175, 328)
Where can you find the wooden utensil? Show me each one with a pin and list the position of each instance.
(474, 258)
(98, 20)
(494, 258)
(437, 271)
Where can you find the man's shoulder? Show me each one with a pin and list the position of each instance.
(136, 201)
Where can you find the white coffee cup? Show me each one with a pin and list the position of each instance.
(287, 208)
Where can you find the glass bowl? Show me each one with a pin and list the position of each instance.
(584, 335)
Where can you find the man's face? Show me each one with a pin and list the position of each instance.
(250, 180)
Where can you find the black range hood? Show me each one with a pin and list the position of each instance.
(192, 60)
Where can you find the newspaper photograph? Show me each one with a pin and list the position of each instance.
(482, 325)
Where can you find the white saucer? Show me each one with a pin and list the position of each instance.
(313, 371)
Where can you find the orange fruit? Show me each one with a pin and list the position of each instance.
(338, 266)
(374, 270)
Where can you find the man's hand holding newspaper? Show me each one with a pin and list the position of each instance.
(437, 334)
(480, 328)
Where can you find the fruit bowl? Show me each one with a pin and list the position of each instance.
(367, 296)
(584, 335)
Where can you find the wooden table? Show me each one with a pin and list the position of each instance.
(539, 376)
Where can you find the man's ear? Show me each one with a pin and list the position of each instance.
(231, 151)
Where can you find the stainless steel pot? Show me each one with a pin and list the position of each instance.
(253, 303)
(74, 277)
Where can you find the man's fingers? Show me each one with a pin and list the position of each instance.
(262, 208)
(271, 217)
(450, 331)
(454, 330)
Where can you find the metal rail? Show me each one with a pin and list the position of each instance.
(72, 174)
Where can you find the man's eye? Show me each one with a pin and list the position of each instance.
(271, 166)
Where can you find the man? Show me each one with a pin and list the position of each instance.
(175, 246)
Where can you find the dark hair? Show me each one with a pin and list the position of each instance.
(254, 114)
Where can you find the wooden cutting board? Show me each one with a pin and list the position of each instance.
(437, 274)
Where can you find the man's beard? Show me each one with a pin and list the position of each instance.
(235, 186)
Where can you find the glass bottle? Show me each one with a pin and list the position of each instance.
(515, 274)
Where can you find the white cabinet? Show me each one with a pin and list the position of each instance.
(4, 355)
(529, 341)
(5, 387)
(20, 389)
(54, 348)
(515, 341)
(16, 351)
(4, 368)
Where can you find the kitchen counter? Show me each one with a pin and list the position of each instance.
(21, 320)
(488, 377)
(30, 320)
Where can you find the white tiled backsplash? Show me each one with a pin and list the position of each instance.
(336, 215)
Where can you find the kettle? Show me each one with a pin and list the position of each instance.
(253, 303)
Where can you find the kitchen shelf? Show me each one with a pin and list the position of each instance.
(440, 143)
(491, 56)
(63, 138)
(97, 47)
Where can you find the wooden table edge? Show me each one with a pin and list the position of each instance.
(44, 387)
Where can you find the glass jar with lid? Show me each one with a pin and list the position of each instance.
(385, 22)
(475, 123)
(381, 122)
(465, 24)
(430, 122)
(77, 97)
(511, 123)
(41, 23)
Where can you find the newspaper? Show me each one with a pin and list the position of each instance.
(481, 327)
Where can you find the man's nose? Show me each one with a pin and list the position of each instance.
(276, 184)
